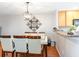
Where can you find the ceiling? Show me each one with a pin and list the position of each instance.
(18, 8)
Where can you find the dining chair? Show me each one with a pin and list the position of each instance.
(20, 46)
(42, 35)
(35, 47)
(7, 46)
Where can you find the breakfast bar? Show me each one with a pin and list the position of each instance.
(67, 45)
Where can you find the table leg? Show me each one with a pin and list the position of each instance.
(45, 48)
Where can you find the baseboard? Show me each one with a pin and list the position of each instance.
(58, 51)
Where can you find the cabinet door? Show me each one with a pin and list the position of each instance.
(61, 18)
(62, 45)
(65, 18)
(70, 15)
(72, 47)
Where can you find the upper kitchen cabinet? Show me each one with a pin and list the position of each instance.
(65, 18)
(61, 18)
(70, 15)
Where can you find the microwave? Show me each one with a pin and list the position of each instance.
(76, 22)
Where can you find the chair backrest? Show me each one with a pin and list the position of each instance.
(6, 44)
(34, 46)
(20, 44)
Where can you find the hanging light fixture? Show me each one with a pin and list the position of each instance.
(28, 15)
(33, 23)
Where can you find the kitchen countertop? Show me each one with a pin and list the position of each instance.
(66, 35)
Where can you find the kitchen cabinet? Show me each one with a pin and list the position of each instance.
(61, 17)
(67, 46)
(72, 47)
(65, 18)
(60, 45)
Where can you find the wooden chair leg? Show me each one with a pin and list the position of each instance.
(26, 54)
(42, 53)
(3, 54)
(16, 54)
(13, 54)
(45, 48)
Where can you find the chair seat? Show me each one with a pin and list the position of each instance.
(35, 52)
(9, 50)
(21, 51)
(24, 53)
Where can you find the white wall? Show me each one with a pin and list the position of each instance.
(16, 25)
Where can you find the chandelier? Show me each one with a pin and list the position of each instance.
(28, 15)
(33, 23)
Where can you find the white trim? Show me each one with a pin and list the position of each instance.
(58, 52)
